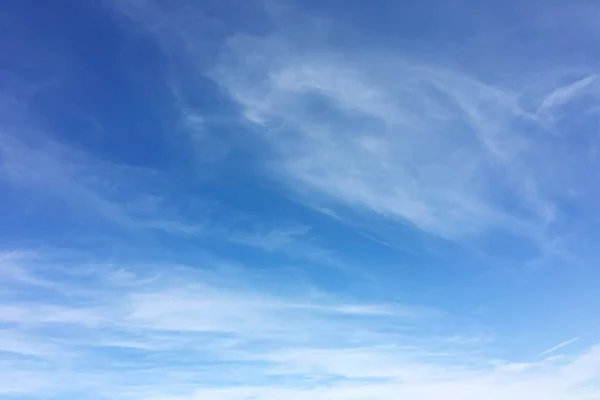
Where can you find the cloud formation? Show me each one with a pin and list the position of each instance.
(180, 333)
(377, 135)
(52, 172)
(206, 273)
(407, 140)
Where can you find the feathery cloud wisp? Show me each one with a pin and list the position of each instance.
(409, 141)
(186, 334)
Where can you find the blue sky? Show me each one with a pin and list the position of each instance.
(341, 200)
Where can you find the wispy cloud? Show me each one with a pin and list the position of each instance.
(93, 188)
(564, 94)
(559, 346)
(89, 185)
(378, 136)
(184, 333)
(295, 240)
(373, 134)
(409, 141)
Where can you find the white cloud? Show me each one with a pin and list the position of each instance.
(94, 188)
(409, 141)
(88, 185)
(185, 334)
(559, 346)
(293, 240)
(564, 94)
(372, 131)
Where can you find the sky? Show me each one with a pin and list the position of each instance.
(299, 199)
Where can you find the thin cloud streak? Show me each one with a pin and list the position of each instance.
(559, 346)
(564, 94)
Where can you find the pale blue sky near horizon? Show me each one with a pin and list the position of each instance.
(337, 200)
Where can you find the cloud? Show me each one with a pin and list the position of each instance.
(406, 140)
(293, 240)
(94, 188)
(559, 346)
(51, 170)
(564, 94)
(370, 136)
(382, 136)
(185, 333)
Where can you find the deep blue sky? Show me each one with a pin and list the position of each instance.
(299, 199)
